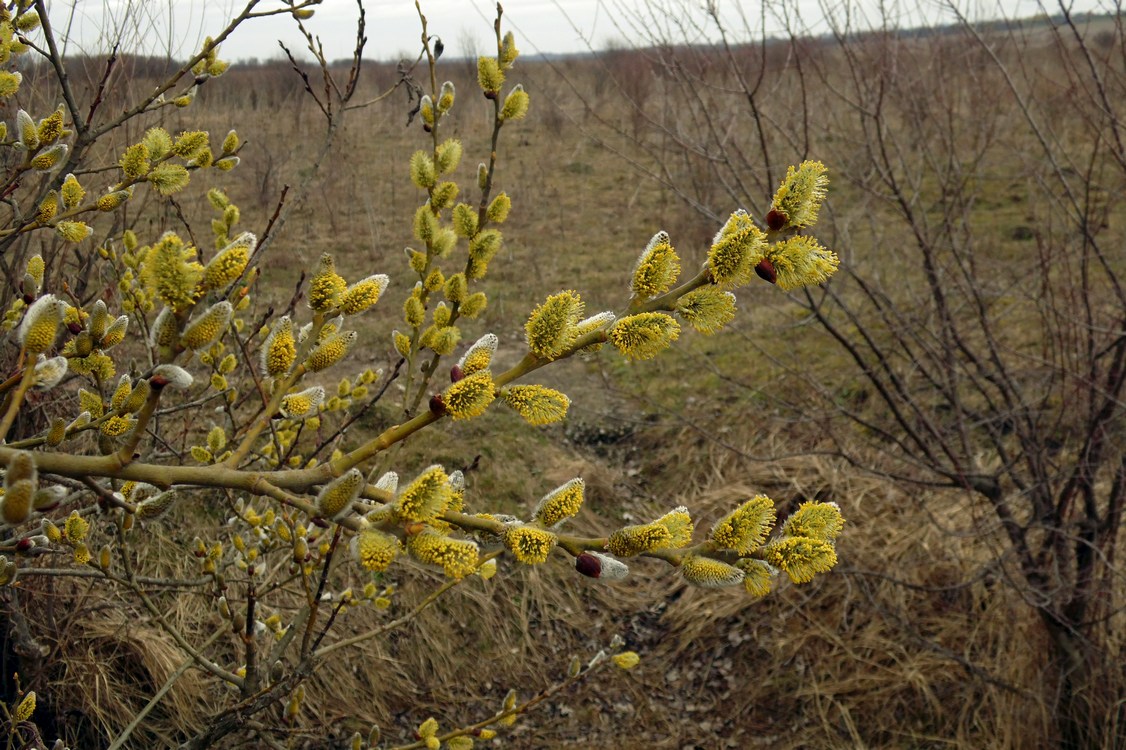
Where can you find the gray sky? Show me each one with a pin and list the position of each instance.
(156, 26)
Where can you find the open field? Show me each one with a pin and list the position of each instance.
(986, 168)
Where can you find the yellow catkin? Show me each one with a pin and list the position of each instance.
(457, 557)
(707, 572)
(529, 544)
(537, 404)
(561, 503)
(374, 549)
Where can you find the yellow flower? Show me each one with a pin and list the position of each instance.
(9, 84)
(280, 348)
(423, 173)
(48, 207)
(169, 178)
(35, 268)
(745, 528)
(456, 557)
(499, 207)
(800, 195)
(374, 549)
(72, 231)
(207, 327)
(363, 294)
(155, 505)
(336, 498)
(759, 576)
(822, 521)
(470, 396)
(709, 573)
(529, 544)
(561, 503)
(117, 426)
(644, 335)
(190, 143)
(158, 142)
(537, 404)
(326, 286)
(801, 261)
(707, 309)
(165, 330)
(679, 524)
(736, 250)
(446, 97)
(480, 355)
(657, 268)
(25, 709)
(508, 51)
(170, 272)
(229, 263)
(482, 248)
(448, 155)
(515, 104)
(489, 75)
(626, 659)
(40, 324)
(48, 159)
(330, 351)
(464, 220)
(551, 328)
(426, 498)
(115, 333)
(304, 403)
(28, 131)
(15, 506)
(71, 192)
(111, 200)
(800, 557)
(76, 527)
(630, 541)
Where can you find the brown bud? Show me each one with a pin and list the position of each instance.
(456, 374)
(589, 565)
(775, 219)
(765, 270)
(492, 95)
(25, 544)
(74, 328)
(426, 128)
(437, 406)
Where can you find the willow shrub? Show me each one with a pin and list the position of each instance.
(83, 485)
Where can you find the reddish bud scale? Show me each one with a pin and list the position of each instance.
(456, 374)
(589, 565)
(318, 521)
(765, 271)
(775, 219)
(25, 544)
(437, 406)
(75, 328)
(491, 95)
(28, 298)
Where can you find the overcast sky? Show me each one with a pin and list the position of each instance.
(157, 26)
